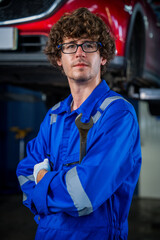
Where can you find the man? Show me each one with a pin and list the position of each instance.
(91, 199)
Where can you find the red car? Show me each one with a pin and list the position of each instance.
(24, 27)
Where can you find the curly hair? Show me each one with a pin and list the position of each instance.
(78, 24)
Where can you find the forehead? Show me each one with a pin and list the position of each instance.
(77, 40)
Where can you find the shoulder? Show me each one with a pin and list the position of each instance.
(114, 109)
(116, 103)
(50, 116)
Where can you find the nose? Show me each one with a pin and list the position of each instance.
(80, 52)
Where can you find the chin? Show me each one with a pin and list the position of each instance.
(82, 78)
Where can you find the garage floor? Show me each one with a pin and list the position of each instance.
(16, 221)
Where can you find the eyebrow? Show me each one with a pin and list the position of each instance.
(74, 41)
(70, 42)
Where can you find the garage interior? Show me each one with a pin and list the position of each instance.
(25, 74)
(26, 112)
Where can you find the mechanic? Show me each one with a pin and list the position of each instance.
(89, 199)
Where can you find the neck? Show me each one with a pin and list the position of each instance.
(81, 91)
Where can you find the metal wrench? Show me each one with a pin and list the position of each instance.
(83, 131)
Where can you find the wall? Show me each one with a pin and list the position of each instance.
(24, 109)
(149, 183)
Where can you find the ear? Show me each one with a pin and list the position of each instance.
(103, 61)
(59, 62)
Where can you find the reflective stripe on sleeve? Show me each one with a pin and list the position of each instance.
(56, 106)
(77, 193)
(96, 116)
(53, 118)
(24, 197)
(104, 105)
(23, 179)
(107, 101)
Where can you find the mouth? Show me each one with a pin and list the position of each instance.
(80, 65)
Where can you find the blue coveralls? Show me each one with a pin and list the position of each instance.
(90, 200)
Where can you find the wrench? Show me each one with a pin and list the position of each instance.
(83, 131)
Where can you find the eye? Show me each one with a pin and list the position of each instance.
(70, 46)
(89, 45)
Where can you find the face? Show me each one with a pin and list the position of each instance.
(81, 66)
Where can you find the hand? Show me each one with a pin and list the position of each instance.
(41, 166)
(41, 174)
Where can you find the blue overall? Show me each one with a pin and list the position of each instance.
(90, 200)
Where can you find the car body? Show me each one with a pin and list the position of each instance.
(134, 23)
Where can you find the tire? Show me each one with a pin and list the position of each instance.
(136, 50)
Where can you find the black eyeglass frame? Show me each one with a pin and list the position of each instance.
(60, 46)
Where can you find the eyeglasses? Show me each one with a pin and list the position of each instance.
(87, 47)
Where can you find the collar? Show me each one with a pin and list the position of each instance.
(87, 106)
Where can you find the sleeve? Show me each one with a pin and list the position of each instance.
(113, 153)
(36, 152)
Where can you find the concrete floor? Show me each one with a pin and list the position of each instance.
(144, 219)
(16, 221)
